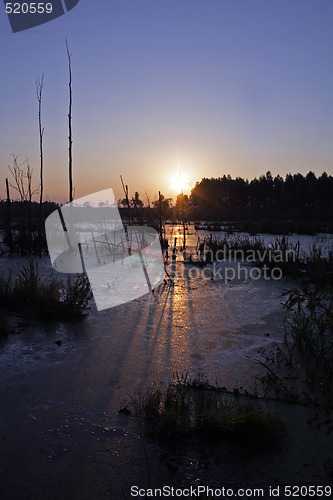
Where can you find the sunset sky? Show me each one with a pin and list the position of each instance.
(211, 87)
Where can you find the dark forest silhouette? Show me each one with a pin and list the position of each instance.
(294, 198)
(298, 203)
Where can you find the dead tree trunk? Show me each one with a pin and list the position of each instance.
(70, 141)
(128, 208)
(9, 226)
(184, 227)
(39, 89)
(160, 210)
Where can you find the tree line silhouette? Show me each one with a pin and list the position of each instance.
(294, 198)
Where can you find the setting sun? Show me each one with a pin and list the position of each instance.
(180, 181)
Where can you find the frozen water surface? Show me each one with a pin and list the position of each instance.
(60, 432)
(197, 325)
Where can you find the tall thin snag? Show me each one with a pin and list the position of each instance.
(70, 141)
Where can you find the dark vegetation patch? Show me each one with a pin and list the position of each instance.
(302, 368)
(269, 226)
(187, 411)
(4, 329)
(47, 300)
(23, 233)
(284, 227)
(315, 265)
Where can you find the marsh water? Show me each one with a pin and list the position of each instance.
(62, 385)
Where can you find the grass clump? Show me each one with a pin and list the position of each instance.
(183, 412)
(306, 353)
(314, 266)
(29, 296)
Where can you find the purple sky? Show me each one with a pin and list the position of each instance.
(216, 87)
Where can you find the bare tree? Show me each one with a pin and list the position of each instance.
(9, 236)
(70, 141)
(22, 173)
(148, 200)
(39, 90)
